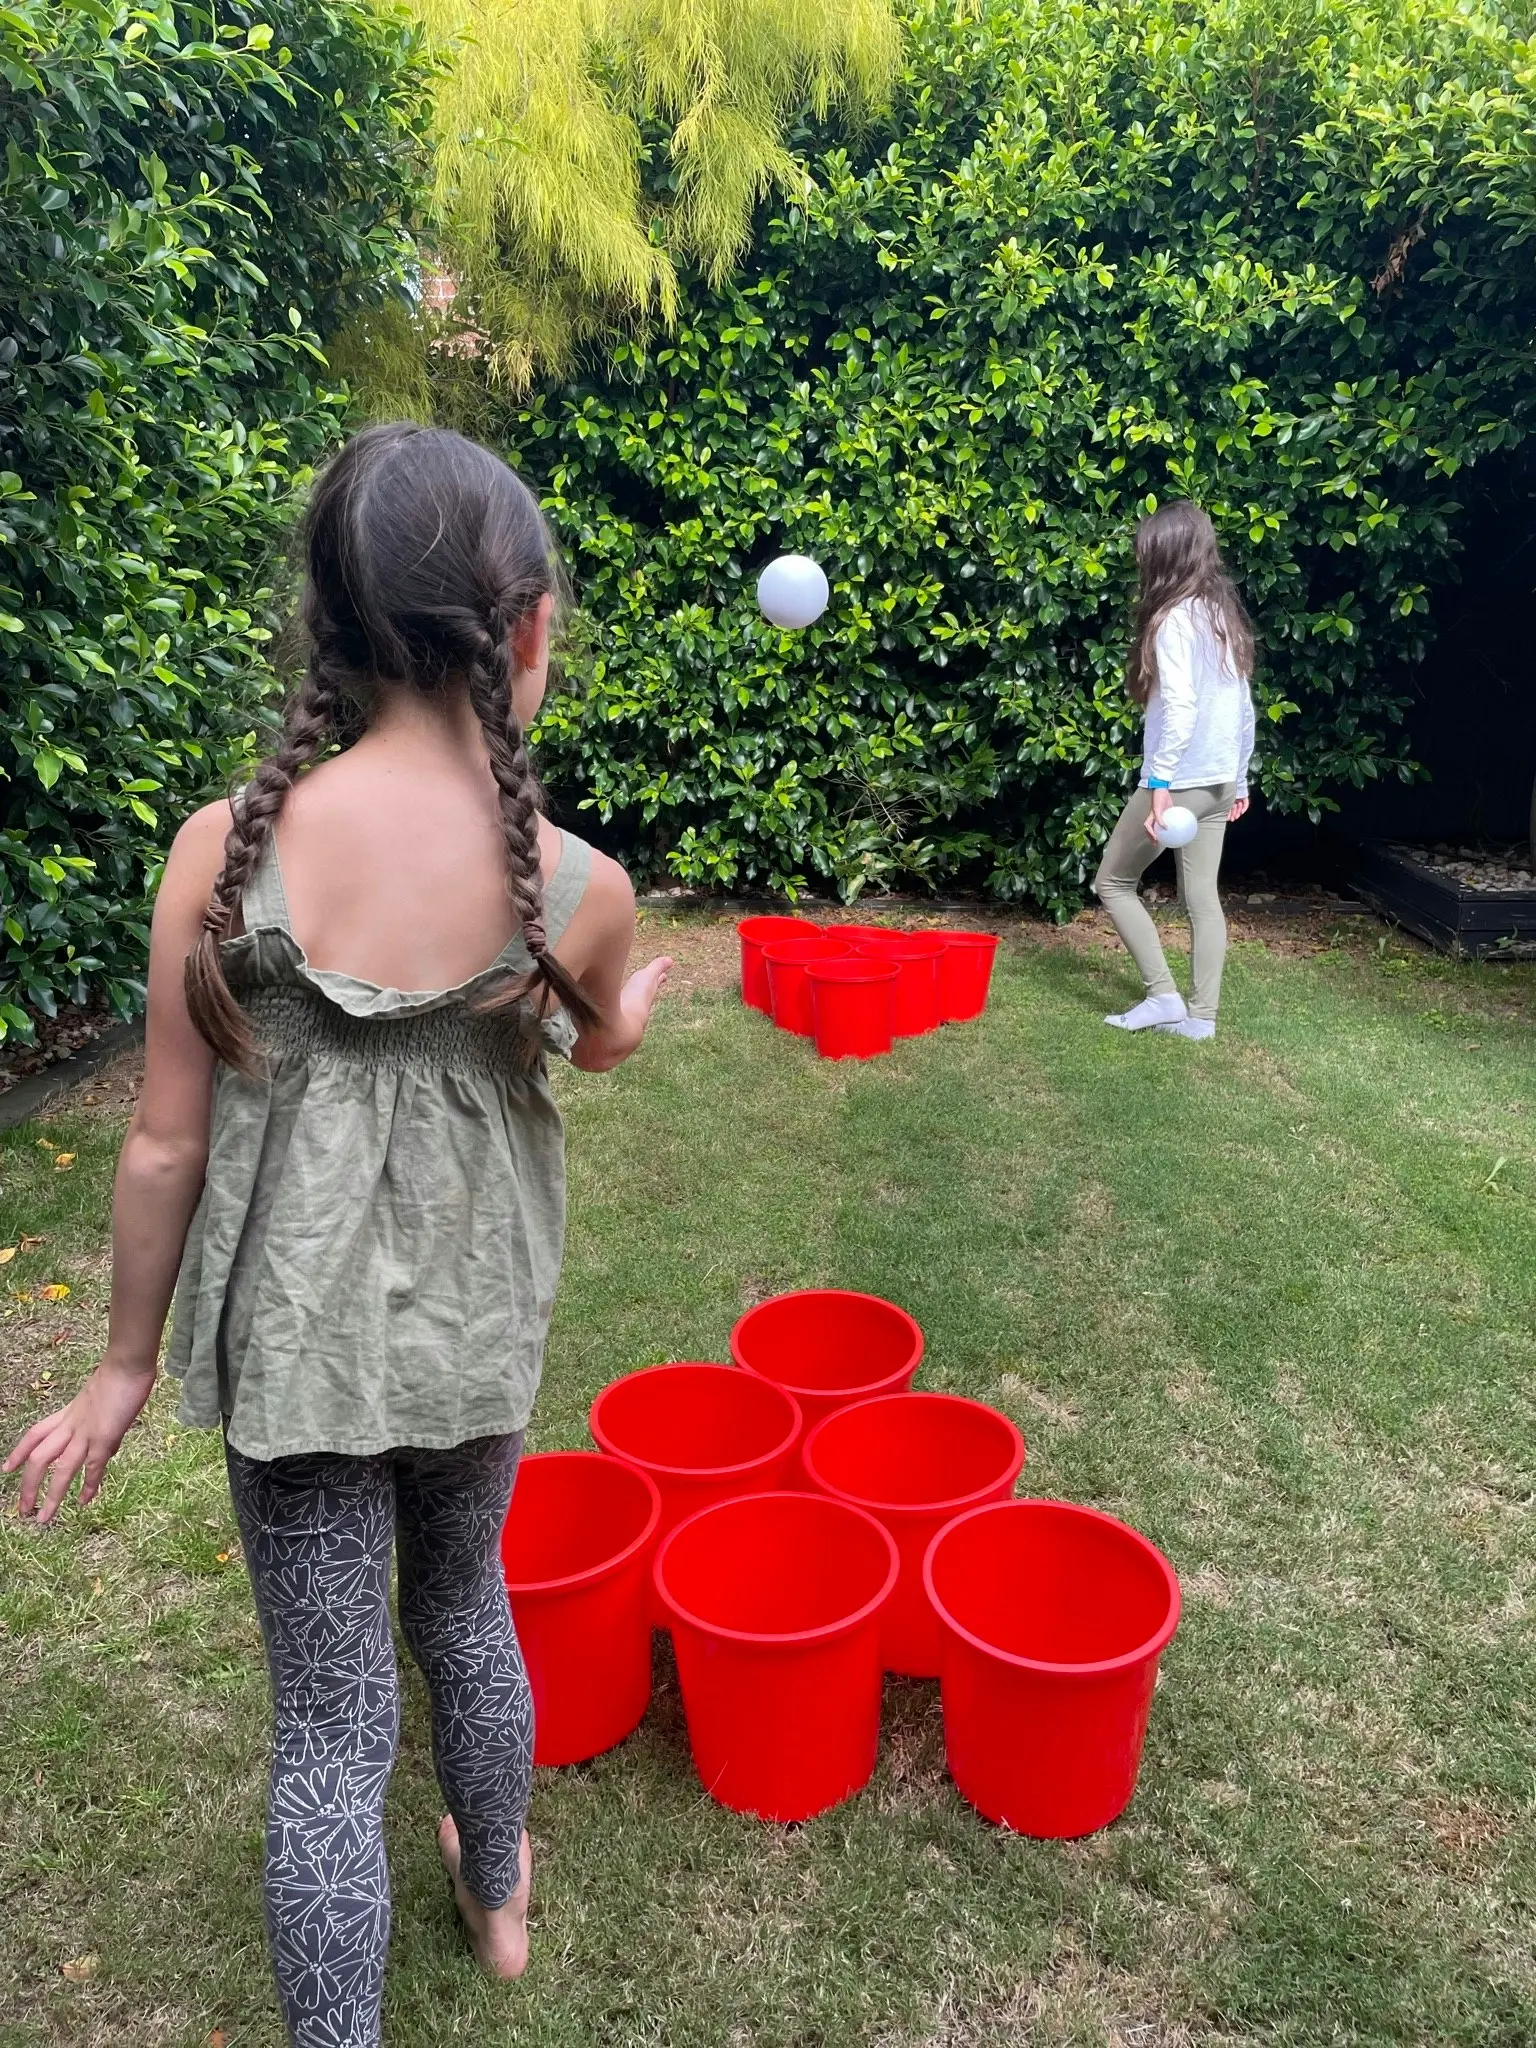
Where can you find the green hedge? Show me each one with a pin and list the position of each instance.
(1275, 259)
(188, 203)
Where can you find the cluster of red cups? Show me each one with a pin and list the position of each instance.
(803, 1522)
(857, 988)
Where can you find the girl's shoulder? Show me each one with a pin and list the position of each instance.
(1179, 626)
(605, 907)
(1211, 633)
(197, 851)
(1193, 620)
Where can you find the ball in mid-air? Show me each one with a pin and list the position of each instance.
(792, 592)
(1177, 826)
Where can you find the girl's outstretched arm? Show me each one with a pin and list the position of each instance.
(159, 1178)
(604, 931)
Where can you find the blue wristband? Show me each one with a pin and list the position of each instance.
(1154, 782)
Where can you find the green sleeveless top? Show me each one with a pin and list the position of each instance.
(374, 1259)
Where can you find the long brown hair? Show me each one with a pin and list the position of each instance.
(1177, 557)
(423, 551)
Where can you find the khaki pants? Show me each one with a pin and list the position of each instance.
(1126, 859)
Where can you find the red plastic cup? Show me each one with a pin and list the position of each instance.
(576, 1552)
(853, 1006)
(1052, 1619)
(775, 1604)
(753, 932)
(965, 974)
(789, 992)
(914, 1462)
(702, 1432)
(916, 956)
(827, 1347)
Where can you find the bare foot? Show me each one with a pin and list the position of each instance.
(498, 1934)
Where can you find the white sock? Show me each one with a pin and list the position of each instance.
(1191, 1027)
(1149, 1011)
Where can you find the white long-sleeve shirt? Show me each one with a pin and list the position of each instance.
(1199, 724)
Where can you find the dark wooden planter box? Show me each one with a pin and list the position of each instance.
(1468, 923)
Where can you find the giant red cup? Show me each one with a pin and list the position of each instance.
(702, 1432)
(774, 1604)
(1052, 1619)
(914, 1462)
(853, 1006)
(788, 962)
(576, 1552)
(827, 1346)
(965, 974)
(753, 932)
(916, 956)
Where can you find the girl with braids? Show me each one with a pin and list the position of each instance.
(347, 1145)
(1189, 669)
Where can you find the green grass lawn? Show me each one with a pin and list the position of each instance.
(1273, 1300)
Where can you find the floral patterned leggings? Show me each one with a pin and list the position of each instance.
(318, 1534)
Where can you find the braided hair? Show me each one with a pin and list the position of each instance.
(423, 552)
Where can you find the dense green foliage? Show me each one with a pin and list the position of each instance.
(187, 205)
(1277, 259)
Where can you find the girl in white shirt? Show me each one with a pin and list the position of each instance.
(1189, 669)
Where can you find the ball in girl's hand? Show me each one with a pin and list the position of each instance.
(792, 592)
(1177, 826)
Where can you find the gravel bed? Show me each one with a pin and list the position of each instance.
(1503, 870)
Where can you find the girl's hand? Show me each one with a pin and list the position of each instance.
(1161, 800)
(85, 1435)
(1238, 810)
(638, 996)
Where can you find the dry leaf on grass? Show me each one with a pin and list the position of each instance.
(82, 1969)
(29, 1244)
(63, 1162)
(7, 1253)
(216, 2038)
(57, 1291)
(47, 1145)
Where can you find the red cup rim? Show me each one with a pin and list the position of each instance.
(647, 1466)
(955, 1504)
(869, 970)
(1155, 1644)
(758, 1638)
(870, 1389)
(917, 945)
(789, 952)
(970, 938)
(754, 929)
(594, 1574)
